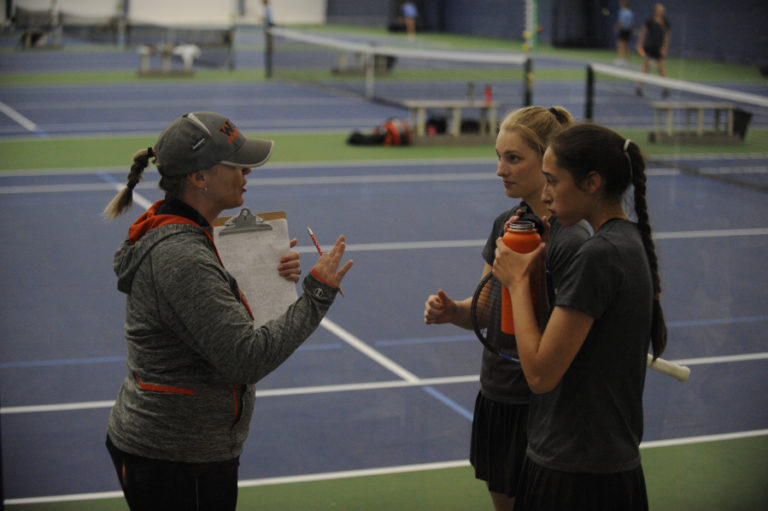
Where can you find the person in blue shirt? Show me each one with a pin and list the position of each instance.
(266, 12)
(624, 29)
(410, 13)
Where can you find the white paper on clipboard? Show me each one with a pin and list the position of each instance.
(250, 246)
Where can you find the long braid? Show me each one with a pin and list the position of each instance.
(124, 198)
(585, 148)
(638, 178)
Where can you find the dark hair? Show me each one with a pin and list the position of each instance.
(173, 186)
(585, 148)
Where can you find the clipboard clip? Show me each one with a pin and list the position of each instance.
(243, 222)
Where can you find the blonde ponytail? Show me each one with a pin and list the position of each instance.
(124, 198)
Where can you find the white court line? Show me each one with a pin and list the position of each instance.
(722, 359)
(345, 387)
(258, 182)
(348, 474)
(714, 233)
(137, 198)
(427, 245)
(411, 381)
(315, 165)
(405, 162)
(404, 245)
(64, 407)
(421, 245)
(703, 439)
(298, 165)
(288, 391)
(368, 164)
(710, 156)
(728, 171)
(368, 351)
(16, 116)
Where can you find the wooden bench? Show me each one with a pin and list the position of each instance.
(665, 128)
(186, 52)
(36, 27)
(417, 119)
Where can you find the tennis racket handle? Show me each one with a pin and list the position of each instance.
(677, 371)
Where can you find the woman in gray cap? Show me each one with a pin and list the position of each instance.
(181, 417)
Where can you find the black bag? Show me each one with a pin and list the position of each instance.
(394, 132)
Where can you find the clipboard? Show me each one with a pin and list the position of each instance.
(250, 246)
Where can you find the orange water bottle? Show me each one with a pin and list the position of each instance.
(522, 237)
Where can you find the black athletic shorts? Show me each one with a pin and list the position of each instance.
(624, 34)
(653, 53)
(543, 489)
(498, 445)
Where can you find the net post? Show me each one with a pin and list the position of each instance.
(370, 69)
(230, 40)
(268, 52)
(528, 82)
(589, 103)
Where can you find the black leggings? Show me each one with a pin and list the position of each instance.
(157, 485)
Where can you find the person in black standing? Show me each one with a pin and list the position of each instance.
(653, 43)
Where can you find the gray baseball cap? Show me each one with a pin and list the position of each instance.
(200, 140)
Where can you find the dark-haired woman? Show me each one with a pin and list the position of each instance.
(587, 368)
(498, 442)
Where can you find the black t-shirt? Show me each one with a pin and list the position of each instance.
(502, 380)
(593, 420)
(655, 34)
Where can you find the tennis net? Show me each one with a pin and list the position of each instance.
(619, 96)
(394, 74)
(683, 113)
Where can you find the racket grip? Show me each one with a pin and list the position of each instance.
(677, 371)
(507, 321)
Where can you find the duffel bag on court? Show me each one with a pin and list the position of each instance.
(394, 132)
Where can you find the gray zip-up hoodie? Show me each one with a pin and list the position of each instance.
(194, 354)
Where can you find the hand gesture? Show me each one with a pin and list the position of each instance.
(439, 308)
(327, 267)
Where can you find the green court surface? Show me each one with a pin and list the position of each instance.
(82, 152)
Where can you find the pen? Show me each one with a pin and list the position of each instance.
(319, 250)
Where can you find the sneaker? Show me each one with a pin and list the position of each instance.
(639, 92)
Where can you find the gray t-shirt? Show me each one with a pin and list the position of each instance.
(500, 379)
(593, 420)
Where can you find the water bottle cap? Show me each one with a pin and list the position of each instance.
(521, 226)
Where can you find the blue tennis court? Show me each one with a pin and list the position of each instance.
(373, 388)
